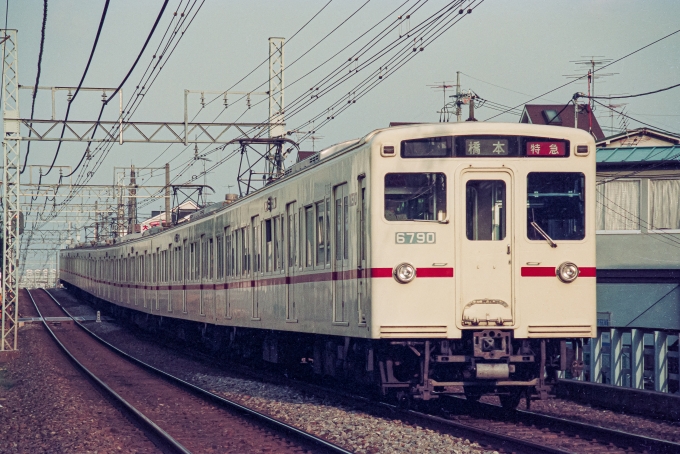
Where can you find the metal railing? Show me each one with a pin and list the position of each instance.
(640, 358)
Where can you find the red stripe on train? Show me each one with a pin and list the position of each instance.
(549, 271)
(420, 272)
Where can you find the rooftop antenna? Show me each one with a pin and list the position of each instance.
(591, 63)
(444, 113)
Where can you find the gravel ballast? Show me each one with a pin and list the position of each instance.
(47, 406)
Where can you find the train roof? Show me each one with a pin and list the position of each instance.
(415, 130)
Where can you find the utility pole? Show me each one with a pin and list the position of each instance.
(10, 191)
(458, 102)
(276, 110)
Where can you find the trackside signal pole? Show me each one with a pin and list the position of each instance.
(10, 190)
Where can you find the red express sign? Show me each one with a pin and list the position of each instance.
(546, 149)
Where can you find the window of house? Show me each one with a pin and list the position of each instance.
(618, 205)
(665, 204)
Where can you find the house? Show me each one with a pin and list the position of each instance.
(643, 137)
(562, 115)
(638, 236)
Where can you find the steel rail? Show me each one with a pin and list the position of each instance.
(207, 395)
(157, 435)
(614, 436)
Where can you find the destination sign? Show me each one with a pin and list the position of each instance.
(486, 147)
(546, 149)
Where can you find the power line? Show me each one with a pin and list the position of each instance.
(37, 81)
(633, 96)
(598, 69)
(634, 119)
(115, 92)
(80, 84)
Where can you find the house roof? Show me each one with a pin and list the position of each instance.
(638, 155)
(533, 113)
(648, 132)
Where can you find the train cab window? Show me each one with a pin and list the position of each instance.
(485, 210)
(556, 204)
(415, 196)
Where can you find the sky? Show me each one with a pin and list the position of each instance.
(508, 52)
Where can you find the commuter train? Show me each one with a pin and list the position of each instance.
(420, 260)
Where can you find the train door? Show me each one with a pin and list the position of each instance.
(485, 233)
(362, 289)
(341, 253)
(292, 257)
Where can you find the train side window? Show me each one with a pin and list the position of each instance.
(220, 256)
(257, 245)
(556, 204)
(485, 210)
(320, 231)
(328, 231)
(292, 234)
(346, 228)
(228, 253)
(309, 236)
(267, 239)
(211, 252)
(415, 196)
(185, 263)
(277, 237)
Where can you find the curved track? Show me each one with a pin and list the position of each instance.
(175, 415)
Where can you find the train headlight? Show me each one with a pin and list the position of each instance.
(404, 273)
(567, 272)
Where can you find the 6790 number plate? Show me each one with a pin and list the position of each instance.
(415, 238)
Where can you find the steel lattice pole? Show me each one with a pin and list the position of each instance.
(10, 190)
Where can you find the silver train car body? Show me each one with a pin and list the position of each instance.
(425, 259)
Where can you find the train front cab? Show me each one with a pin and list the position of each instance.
(492, 257)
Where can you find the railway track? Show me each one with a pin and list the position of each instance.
(560, 433)
(177, 416)
(490, 426)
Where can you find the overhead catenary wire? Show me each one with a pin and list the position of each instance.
(134, 101)
(418, 4)
(105, 102)
(435, 30)
(80, 84)
(299, 78)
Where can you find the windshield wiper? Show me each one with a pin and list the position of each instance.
(543, 234)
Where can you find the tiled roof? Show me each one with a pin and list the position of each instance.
(535, 113)
(621, 155)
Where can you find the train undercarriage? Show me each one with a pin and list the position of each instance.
(483, 362)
